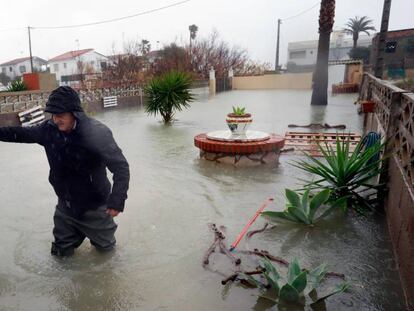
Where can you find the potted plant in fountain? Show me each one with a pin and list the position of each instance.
(238, 121)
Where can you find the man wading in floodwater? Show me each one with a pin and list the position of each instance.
(79, 149)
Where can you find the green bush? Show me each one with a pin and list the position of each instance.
(17, 86)
(168, 93)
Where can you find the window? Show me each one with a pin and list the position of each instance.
(297, 54)
(390, 47)
(103, 65)
(55, 67)
(92, 62)
(22, 69)
(64, 65)
(11, 69)
(3, 70)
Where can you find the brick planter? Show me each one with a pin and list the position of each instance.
(367, 106)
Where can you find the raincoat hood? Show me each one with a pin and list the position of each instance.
(63, 99)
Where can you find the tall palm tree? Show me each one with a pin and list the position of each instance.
(356, 25)
(320, 75)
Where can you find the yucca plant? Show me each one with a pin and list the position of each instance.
(347, 174)
(167, 94)
(304, 209)
(17, 86)
(295, 286)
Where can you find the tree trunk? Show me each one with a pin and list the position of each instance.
(355, 38)
(379, 61)
(320, 75)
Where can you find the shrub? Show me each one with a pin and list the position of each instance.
(17, 86)
(168, 93)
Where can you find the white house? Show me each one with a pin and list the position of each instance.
(70, 65)
(303, 53)
(17, 67)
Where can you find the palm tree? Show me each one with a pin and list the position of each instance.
(167, 94)
(356, 25)
(320, 75)
(193, 31)
(145, 46)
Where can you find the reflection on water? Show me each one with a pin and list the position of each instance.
(163, 233)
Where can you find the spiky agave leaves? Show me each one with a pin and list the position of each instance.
(239, 111)
(304, 209)
(347, 174)
(167, 94)
(297, 284)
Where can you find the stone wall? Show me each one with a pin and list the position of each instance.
(11, 103)
(19, 101)
(394, 119)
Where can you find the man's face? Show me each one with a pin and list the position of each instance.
(64, 121)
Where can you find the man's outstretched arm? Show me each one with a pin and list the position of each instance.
(18, 134)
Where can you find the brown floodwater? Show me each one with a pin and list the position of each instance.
(163, 233)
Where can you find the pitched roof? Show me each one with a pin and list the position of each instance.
(69, 55)
(400, 33)
(16, 61)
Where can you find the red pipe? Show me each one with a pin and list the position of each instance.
(247, 226)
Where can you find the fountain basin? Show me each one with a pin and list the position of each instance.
(254, 148)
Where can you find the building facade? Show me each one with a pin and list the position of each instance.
(17, 67)
(399, 53)
(72, 66)
(302, 55)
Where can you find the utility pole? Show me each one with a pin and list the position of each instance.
(30, 50)
(379, 62)
(279, 21)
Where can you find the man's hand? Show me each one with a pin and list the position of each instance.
(112, 212)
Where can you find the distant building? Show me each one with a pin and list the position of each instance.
(17, 67)
(399, 53)
(302, 54)
(72, 66)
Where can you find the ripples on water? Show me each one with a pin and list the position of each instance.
(163, 233)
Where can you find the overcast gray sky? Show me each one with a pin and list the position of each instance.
(247, 23)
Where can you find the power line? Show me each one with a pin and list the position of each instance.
(12, 29)
(301, 13)
(100, 22)
(113, 19)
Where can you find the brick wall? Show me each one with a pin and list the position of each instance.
(394, 119)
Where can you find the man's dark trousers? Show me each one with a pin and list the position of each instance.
(70, 230)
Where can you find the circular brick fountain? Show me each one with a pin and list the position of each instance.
(252, 148)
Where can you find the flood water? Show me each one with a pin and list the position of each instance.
(163, 233)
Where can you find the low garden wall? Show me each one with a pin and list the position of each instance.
(293, 81)
(11, 103)
(394, 119)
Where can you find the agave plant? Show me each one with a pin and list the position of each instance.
(17, 86)
(295, 286)
(239, 111)
(167, 94)
(347, 174)
(306, 210)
